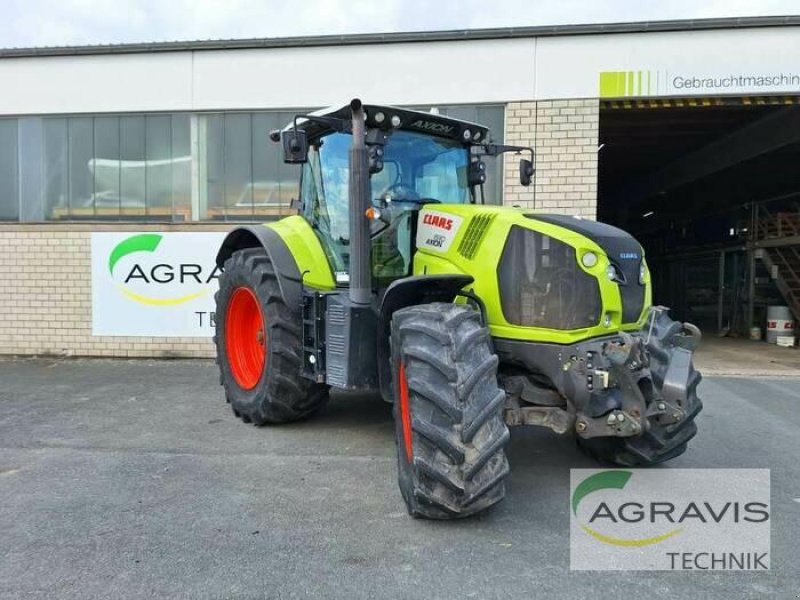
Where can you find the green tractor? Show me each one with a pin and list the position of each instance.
(395, 278)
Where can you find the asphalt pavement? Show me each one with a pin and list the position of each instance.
(133, 479)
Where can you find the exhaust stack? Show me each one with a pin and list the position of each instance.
(360, 272)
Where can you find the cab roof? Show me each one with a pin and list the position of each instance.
(383, 117)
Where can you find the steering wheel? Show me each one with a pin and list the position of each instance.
(405, 194)
(401, 192)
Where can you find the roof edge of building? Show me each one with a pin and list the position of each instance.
(406, 37)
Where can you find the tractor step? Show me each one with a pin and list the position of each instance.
(313, 310)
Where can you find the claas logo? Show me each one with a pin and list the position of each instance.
(438, 221)
(154, 275)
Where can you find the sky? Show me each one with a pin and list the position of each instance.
(27, 23)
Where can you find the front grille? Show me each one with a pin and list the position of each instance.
(542, 285)
(632, 293)
(473, 236)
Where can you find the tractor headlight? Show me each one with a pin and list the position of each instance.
(607, 320)
(395, 121)
(589, 259)
(611, 272)
(642, 273)
(379, 117)
(467, 134)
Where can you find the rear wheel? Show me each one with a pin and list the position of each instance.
(450, 433)
(667, 340)
(258, 345)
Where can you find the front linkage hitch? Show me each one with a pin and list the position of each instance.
(606, 388)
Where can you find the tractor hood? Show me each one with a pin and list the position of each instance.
(541, 277)
(622, 250)
(619, 245)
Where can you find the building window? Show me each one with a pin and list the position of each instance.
(163, 167)
(130, 167)
(55, 168)
(243, 175)
(81, 161)
(9, 179)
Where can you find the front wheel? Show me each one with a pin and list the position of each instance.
(450, 433)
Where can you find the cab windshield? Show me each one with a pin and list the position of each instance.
(417, 166)
(417, 169)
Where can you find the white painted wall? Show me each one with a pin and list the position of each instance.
(96, 83)
(455, 72)
(414, 73)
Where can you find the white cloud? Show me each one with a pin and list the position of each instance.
(65, 22)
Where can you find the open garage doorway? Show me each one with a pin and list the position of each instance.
(711, 188)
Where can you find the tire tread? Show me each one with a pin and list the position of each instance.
(458, 434)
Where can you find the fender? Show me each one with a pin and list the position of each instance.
(286, 270)
(419, 289)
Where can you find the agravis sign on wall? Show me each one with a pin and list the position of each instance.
(154, 284)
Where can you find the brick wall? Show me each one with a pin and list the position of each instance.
(563, 134)
(46, 299)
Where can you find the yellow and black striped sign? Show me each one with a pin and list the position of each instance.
(698, 102)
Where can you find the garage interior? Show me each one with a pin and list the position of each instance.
(711, 188)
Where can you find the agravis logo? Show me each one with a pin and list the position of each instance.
(158, 284)
(154, 275)
(670, 519)
(613, 480)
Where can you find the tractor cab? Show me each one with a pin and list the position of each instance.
(414, 159)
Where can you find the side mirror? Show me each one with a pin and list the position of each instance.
(525, 172)
(295, 146)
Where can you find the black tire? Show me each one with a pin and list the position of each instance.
(662, 442)
(281, 395)
(451, 410)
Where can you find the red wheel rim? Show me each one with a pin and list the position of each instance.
(245, 338)
(405, 414)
